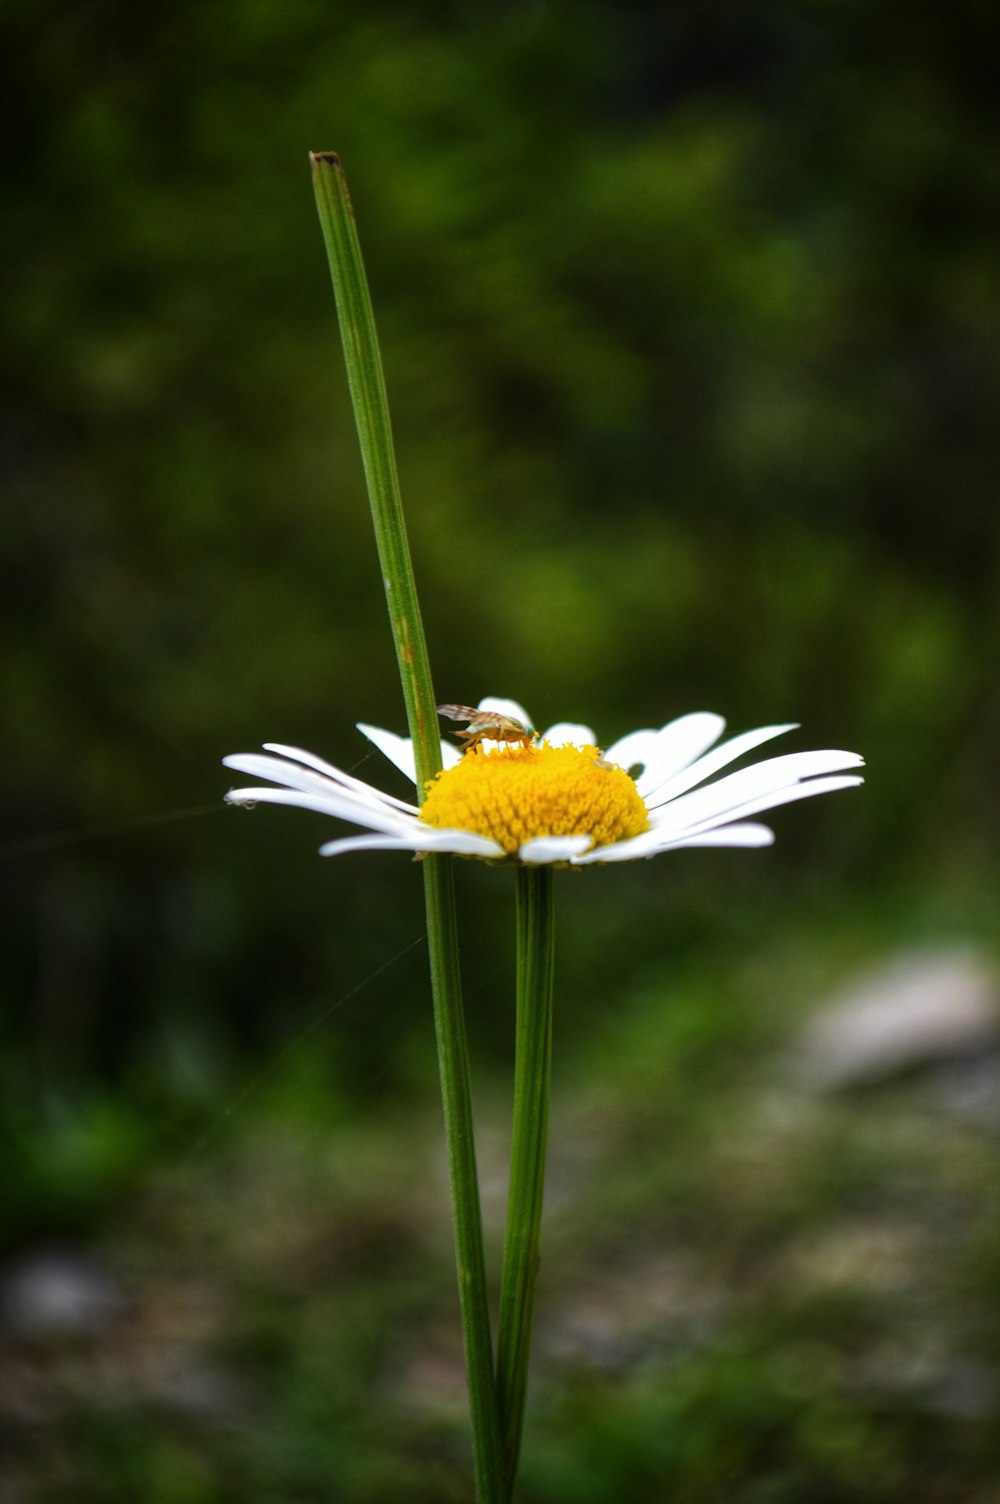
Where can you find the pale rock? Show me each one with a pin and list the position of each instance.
(920, 1009)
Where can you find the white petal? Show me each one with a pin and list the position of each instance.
(569, 734)
(337, 774)
(772, 800)
(647, 844)
(366, 843)
(750, 835)
(663, 753)
(292, 776)
(720, 835)
(464, 842)
(259, 766)
(459, 842)
(342, 807)
(496, 705)
(765, 779)
(705, 766)
(399, 750)
(309, 759)
(633, 750)
(543, 849)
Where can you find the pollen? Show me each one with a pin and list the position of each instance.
(513, 793)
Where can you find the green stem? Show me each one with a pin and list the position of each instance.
(371, 413)
(456, 1098)
(532, 1071)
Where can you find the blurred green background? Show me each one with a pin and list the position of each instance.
(690, 318)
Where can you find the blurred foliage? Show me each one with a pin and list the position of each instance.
(747, 1293)
(690, 317)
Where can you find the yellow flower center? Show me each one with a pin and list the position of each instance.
(514, 793)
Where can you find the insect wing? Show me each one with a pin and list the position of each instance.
(459, 712)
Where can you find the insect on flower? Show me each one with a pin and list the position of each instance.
(487, 726)
(567, 804)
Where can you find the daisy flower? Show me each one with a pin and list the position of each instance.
(556, 798)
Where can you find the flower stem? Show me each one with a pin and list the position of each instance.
(456, 1098)
(371, 413)
(532, 1071)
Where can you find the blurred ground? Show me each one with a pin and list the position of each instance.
(753, 1286)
